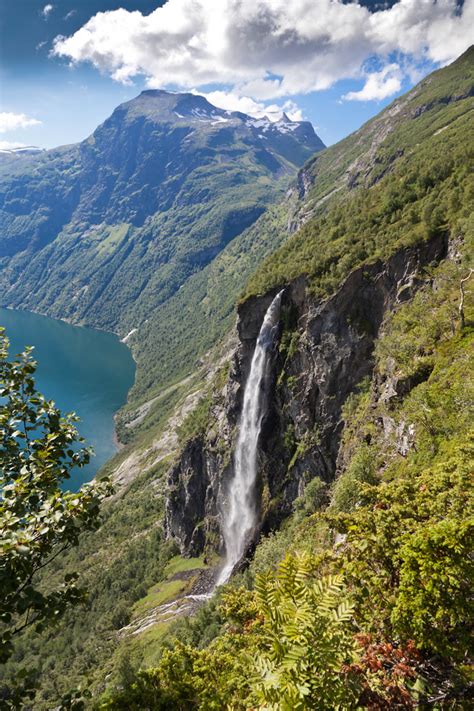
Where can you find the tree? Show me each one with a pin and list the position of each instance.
(407, 553)
(38, 520)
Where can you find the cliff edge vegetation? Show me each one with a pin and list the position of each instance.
(355, 590)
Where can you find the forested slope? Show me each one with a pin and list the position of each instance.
(107, 232)
(365, 489)
(366, 452)
(364, 494)
(407, 163)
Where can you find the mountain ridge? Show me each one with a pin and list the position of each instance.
(366, 430)
(144, 183)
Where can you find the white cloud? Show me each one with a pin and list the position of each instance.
(70, 14)
(9, 145)
(10, 121)
(47, 9)
(235, 102)
(378, 85)
(268, 49)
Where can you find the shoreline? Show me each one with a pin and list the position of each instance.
(118, 445)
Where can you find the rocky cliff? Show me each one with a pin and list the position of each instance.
(326, 350)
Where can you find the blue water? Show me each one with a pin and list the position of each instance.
(83, 370)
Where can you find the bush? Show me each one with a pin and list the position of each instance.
(308, 638)
(348, 488)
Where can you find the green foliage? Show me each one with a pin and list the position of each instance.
(200, 629)
(348, 487)
(436, 576)
(213, 678)
(270, 551)
(410, 343)
(308, 640)
(308, 441)
(188, 679)
(38, 521)
(200, 419)
(416, 185)
(118, 563)
(407, 553)
(313, 498)
(197, 421)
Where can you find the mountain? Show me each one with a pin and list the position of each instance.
(109, 232)
(365, 444)
(403, 137)
(104, 231)
(20, 151)
(364, 450)
(403, 133)
(393, 207)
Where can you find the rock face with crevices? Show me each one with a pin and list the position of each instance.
(326, 349)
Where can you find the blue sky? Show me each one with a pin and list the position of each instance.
(66, 64)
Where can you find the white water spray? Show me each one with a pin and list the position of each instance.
(240, 515)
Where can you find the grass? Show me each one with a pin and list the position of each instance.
(149, 643)
(158, 595)
(180, 565)
(169, 588)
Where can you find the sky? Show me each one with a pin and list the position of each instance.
(66, 64)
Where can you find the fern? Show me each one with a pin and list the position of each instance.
(308, 639)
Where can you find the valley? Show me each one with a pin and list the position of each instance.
(326, 498)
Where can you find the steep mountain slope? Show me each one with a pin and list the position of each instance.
(372, 371)
(395, 136)
(104, 231)
(363, 158)
(366, 445)
(343, 272)
(178, 336)
(406, 137)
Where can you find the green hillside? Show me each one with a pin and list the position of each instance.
(360, 597)
(378, 562)
(411, 166)
(107, 232)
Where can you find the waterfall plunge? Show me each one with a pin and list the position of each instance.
(240, 514)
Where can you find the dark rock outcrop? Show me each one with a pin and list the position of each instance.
(325, 351)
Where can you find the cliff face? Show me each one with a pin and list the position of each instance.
(325, 350)
(397, 182)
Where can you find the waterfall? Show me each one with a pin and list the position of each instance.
(240, 512)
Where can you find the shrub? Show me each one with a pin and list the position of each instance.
(308, 639)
